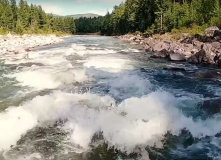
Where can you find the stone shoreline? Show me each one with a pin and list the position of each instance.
(198, 49)
(15, 44)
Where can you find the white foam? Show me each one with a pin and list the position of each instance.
(110, 64)
(126, 84)
(14, 122)
(81, 50)
(135, 122)
(48, 78)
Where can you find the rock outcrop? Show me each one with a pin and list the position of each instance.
(210, 31)
(198, 49)
(176, 57)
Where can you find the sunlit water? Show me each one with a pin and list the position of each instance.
(98, 98)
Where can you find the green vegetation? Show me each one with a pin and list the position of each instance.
(160, 16)
(88, 25)
(31, 19)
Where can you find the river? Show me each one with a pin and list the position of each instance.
(98, 98)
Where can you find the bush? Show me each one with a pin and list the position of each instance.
(151, 30)
(216, 21)
(137, 32)
(3, 31)
(194, 29)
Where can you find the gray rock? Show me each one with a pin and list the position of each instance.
(132, 39)
(210, 31)
(197, 44)
(207, 47)
(199, 57)
(162, 54)
(219, 63)
(188, 46)
(216, 45)
(188, 40)
(204, 39)
(161, 46)
(148, 48)
(217, 33)
(173, 56)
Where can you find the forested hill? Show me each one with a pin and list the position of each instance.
(23, 18)
(88, 25)
(154, 16)
(86, 15)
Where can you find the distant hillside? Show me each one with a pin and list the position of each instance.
(76, 16)
(87, 15)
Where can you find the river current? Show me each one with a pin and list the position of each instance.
(98, 98)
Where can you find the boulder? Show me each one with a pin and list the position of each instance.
(217, 33)
(188, 47)
(161, 46)
(216, 45)
(199, 37)
(197, 44)
(132, 39)
(162, 54)
(210, 31)
(204, 38)
(173, 56)
(199, 57)
(188, 40)
(148, 48)
(217, 60)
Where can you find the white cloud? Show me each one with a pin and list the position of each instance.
(48, 8)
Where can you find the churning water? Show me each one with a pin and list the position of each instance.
(98, 98)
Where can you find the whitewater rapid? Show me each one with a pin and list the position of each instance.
(86, 86)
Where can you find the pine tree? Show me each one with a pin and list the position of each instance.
(14, 11)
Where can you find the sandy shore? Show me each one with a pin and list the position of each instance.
(15, 44)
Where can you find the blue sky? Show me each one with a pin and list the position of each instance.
(68, 7)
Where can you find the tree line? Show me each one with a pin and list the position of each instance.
(161, 15)
(24, 18)
(156, 16)
(88, 25)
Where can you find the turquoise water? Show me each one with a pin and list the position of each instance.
(93, 97)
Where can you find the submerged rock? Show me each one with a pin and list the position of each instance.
(176, 69)
(209, 74)
(211, 106)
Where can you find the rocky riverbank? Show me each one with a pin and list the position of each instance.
(15, 44)
(198, 49)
